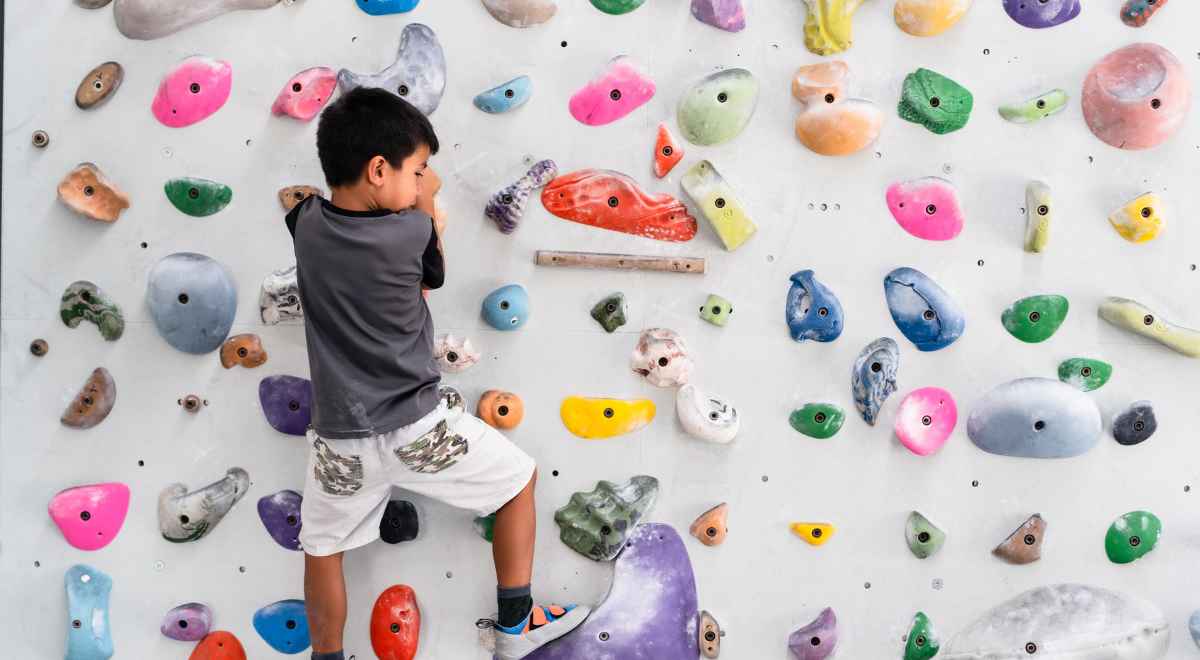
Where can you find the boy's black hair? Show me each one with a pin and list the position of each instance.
(364, 123)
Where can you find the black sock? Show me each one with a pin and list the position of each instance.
(515, 604)
(336, 655)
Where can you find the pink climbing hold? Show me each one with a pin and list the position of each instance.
(619, 90)
(925, 420)
(927, 208)
(196, 88)
(90, 517)
(1136, 97)
(306, 93)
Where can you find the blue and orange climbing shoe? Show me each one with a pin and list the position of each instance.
(543, 624)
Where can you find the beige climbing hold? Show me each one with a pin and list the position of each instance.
(710, 526)
(88, 192)
(1024, 545)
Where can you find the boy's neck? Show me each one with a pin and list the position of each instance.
(351, 200)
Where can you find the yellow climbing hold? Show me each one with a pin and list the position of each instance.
(605, 418)
(928, 18)
(1139, 221)
(813, 533)
(715, 198)
(828, 28)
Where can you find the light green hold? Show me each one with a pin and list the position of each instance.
(1039, 216)
(934, 101)
(924, 538)
(716, 310)
(84, 301)
(1036, 108)
(1036, 318)
(485, 527)
(923, 642)
(1085, 373)
(718, 107)
(818, 420)
(617, 7)
(597, 524)
(1132, 536)
(610, 312)
(198, 197)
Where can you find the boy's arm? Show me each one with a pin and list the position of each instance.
(434, 259)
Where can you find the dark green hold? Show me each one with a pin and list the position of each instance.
(610, 312)
(84, 301)
(1036, 318)
(617, 7)
(1132, 536)
(818, 420)
(935, 102)
(597, 524)
(922, 642)
(485, 526)
(198, 197)
(1085, 373)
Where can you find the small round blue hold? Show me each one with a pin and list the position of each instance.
(506, 96)
(385, 7)
(506, 308)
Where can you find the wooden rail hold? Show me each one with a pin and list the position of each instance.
(687, 265)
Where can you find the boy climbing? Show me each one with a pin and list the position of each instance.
(378, 420)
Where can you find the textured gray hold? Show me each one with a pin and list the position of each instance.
(151, 19)
(418, 75)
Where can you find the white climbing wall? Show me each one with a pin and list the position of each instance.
(813, 212)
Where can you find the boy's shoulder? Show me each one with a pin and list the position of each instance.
(319, 205)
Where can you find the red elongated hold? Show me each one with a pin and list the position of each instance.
(396, 624)
(612, 200)
(667, 152)
(218, 645)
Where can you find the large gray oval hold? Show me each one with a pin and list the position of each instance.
(418, 75)
(1035, 418)
(192, 300)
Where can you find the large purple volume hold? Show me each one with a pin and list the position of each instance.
(1039, 14)
(287, 403)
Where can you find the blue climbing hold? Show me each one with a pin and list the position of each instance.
(922, 310)
(192, 299)
(812, 312)
(873, 378)
(506, 308)
(385, 7)
(506, 96)
(283, 626)
(88, 636)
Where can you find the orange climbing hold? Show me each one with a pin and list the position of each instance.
(500, 410)
(218, 645)
(667, 152)
(396, 624)
(710, 526)
(611, 200)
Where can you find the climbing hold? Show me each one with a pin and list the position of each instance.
(714, 196)
(396, 623)
(622, 87)
(219, 645)
(385, 7)
(1140, 220)
(99, 84)
(192, 91)
(279, 297)
(39, 347)
(454, 354)
(280, 515)
(813, 533)
(873, 377)
(418, 75)
(1132, 536)
(303, 96)
(922, 641)
(93, 402)
(188, 622)
(922, 18)
(192, 300)
(597, 524)
(667, 152)
(82, 301)
(92, 4)
(1135, 424)
(521, 13)
(728, 15)
(812, 310)
(662, 358)
(925, 419)
(151, 19)
(817, 640)
(1036, 318)
(716, 310)
(617, 7)
(927, 208)
(86, 191)
(710, 526)
(832, 124)
(1043, 13)
(184, 516)
(1036, 108)
(610, 312)
(505, 96)
(1039, 215)
(291, 196)
(506, 308)
(1035, 418)
(1136, 97)
(400, 522)
(1024, 545)
(192, 403)
(40, 139)
(90, 517)
(1065, 620)
(935, 102)
(1139, 319)
(283, 625)
(88, 634)
(501, 410)
(1194, 626)
(818, 420)
(706, 416)
(716, 108)
(1084, 373)
(453, 400)
(923, 312)
(710, 635)
(245, 350)
(596, 419)
(611, 200)
(924, 538)
(507, 206)
(828, 28)
(198, 197)
(485, 527)
(287, 403)
(1137, 13)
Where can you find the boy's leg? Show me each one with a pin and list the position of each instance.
(325, 602)
(513, 539)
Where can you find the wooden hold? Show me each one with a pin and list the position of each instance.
(691, 265)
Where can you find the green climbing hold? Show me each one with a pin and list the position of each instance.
(716, 109)
(716, 310)
(924, 538)
(818, 420)
(1085, 373)
(922, 641)
(485, 526)
(1132, 536)
(597, 524)
(935, 102)
(617, 7)
(610, 312)
(84, 301)
(1036, 318)
(198, 197)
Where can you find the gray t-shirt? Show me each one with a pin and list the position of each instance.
(368, 330)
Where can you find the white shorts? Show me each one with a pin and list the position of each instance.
(448, 455)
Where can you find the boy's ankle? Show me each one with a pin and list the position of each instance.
(334, 655)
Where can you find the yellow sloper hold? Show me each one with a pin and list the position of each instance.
(714, 197)
(828, 28)
(1139, 221)
(929, 18)
(595, 419)
(813, 533)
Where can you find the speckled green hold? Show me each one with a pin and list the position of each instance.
(818, 420)
(1132, 536)
(610, 312)
(597, 524)
(718, 107)
(716, 310)
(84, 301)
(198, 197)
(1036, 318)
(617, 7)
(923, 642)
(934, 101)
(924, 538)
(485, 527)
(1085, 373)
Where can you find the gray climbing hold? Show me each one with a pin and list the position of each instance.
(597, 524)
(184, 516)
(192, 300)
(1035, 418)
(418, 75)
(1135, 424)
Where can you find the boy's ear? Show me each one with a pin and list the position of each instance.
(375, 170)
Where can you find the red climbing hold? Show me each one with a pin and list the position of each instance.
(396, 624)
(667, 152)
(611, 200)
(218, 645)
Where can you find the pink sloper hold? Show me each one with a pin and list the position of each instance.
(195, 89)
(1136, 97)
(306, 93)
(90, 517)
(925, 420)
(927, 208)
(619, 90)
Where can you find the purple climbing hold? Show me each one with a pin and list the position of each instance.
(728, 15)
(189, 622)
(817, 640)
(287, 403)
(280, 514)
(1039, 14)
(506, 207)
